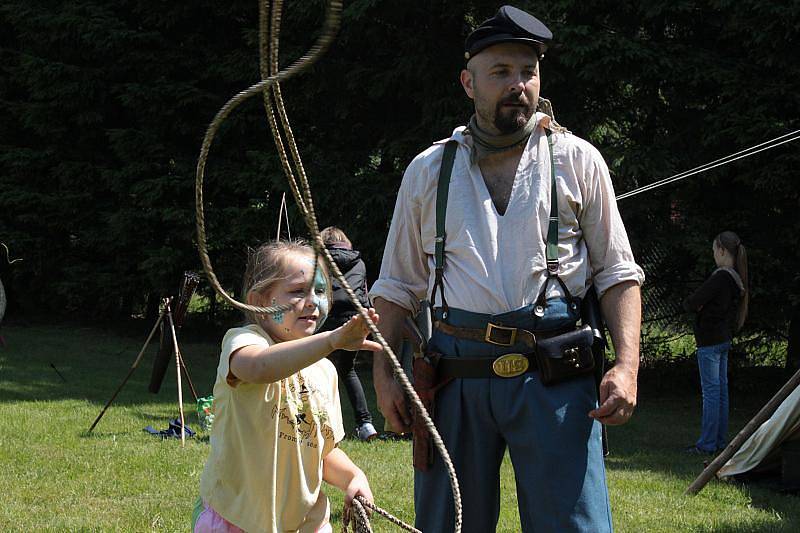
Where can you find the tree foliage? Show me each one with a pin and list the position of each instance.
(103, 106)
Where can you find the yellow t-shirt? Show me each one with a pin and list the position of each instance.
(264, 472)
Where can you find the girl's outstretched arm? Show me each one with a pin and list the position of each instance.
(256, 364)
(342, 473)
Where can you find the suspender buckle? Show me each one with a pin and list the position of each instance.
(552, 267)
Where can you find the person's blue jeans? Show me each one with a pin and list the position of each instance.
(713, 364)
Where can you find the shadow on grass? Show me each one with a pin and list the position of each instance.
(48, 363)
(663, 425)
(776, 502)
(94, 363)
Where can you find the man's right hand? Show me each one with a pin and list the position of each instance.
(390, 396)
(392, 403)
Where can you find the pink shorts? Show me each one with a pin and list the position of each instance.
(209, 521)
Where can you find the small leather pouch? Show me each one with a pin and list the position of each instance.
(426, 384)
(565, 356)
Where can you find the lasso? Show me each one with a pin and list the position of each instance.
(269, 30)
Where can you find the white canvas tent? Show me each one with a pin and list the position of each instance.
(762, 450)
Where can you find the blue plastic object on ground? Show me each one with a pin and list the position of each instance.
(172, 432)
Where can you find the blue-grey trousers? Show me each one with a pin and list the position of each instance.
(555, 448)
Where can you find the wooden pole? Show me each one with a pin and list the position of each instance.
(130, 372)
(762, 416)
(178, 371)
(188, 378)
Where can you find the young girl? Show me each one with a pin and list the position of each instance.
(277, 414)
(721, 306)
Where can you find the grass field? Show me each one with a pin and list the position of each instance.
(56, 477)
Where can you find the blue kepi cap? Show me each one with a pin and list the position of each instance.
(508, 25)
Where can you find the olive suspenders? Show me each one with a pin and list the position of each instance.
(442, 190)
(551, 249)
(551, 255)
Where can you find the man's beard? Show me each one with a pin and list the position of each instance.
(512, 119)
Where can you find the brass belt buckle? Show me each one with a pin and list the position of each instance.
(510, 365)
(491, 328)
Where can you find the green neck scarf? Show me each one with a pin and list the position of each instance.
(485, 143)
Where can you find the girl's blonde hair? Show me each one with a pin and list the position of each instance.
(266, 265)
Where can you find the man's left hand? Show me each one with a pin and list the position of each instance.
(617, 397)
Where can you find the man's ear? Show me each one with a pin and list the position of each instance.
(466, 82)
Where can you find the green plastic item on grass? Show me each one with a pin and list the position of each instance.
(198, 508)
(205, 412)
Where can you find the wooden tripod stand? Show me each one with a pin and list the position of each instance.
(166, 312)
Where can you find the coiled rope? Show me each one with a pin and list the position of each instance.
(269, 25)
(360, 517)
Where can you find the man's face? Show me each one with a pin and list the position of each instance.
(503, 81)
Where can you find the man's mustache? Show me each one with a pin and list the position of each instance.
(515, 100)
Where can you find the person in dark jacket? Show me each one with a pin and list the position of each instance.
(355, 272)
(721, 305)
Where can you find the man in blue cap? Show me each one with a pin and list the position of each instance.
(506, 253)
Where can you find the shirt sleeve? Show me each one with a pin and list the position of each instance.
(404, 272)
(363, 295)
(235, 339)
(710, 288)
(604, 233)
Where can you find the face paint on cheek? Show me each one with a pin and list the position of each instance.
(277, 316)
(321, 297)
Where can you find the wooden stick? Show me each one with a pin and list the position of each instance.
(762, 416)
(280, 217)
(178, 371)
(188, 378)
(130, 372)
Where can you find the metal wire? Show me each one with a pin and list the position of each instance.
(795, 135)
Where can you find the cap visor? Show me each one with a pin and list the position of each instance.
(483, 44)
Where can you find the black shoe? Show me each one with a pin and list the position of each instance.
(391, 435)
(694, 450)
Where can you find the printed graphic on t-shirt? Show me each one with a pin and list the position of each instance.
(303, 413)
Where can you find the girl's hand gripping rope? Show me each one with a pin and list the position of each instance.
(358, 486)
(352, 336)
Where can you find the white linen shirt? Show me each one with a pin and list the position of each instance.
(496, 263)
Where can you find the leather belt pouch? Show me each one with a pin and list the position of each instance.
(565, 356)
(426, 383)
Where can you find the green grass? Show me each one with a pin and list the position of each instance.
(56, 477)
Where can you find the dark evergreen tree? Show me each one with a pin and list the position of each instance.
(103, 106)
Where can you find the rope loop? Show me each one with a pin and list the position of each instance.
(269, 88)
(360, 517)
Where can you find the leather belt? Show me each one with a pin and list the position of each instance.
(504, 366)
(493, 334)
